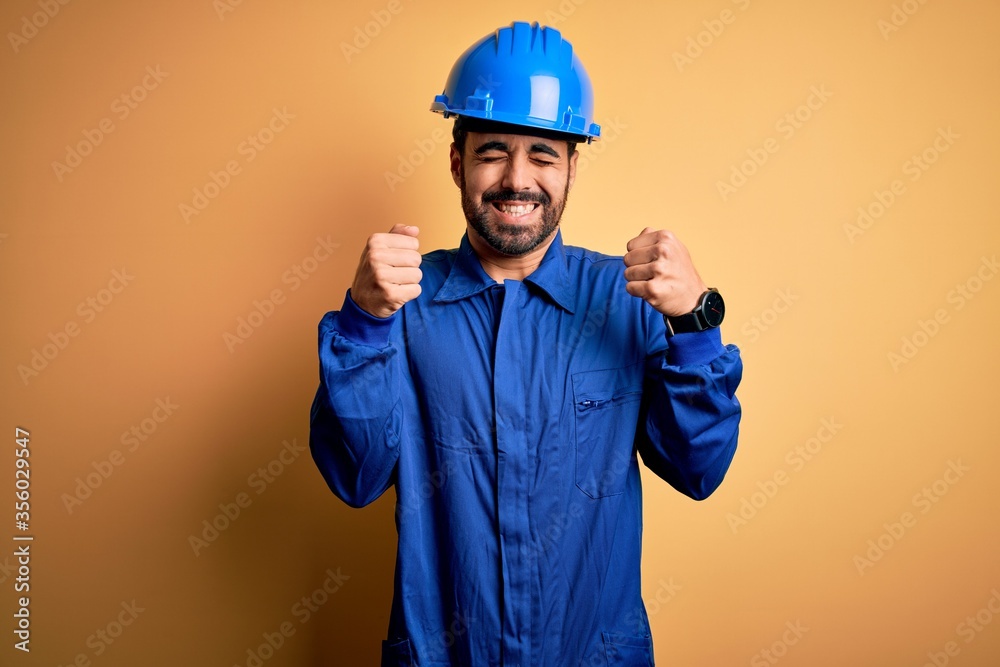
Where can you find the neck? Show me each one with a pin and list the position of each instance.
(502, 267)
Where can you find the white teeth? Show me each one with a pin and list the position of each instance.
(516, 209)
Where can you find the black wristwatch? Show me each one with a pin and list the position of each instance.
(706, 315)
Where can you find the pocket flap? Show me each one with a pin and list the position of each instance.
(605, 385)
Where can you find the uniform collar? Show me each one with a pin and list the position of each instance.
(467, 276)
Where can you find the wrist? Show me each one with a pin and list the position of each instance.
(374, 310)
(707, 313)
(360, 326)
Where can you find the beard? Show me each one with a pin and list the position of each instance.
(512, 239)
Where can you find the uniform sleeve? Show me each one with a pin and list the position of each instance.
(690, 411)
(356, 417)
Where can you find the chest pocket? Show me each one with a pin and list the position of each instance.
(606, 412)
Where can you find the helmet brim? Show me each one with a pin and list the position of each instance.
(488, 125)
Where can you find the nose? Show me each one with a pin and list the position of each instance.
(517, 175)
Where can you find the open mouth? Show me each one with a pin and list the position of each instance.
(515, 210)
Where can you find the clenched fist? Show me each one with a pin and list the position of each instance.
(389, 271)
(659, 270)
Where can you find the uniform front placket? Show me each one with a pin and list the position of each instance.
(512, 474)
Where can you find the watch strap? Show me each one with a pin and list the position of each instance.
(690, 322)
(687, 323)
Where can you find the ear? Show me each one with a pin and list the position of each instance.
(572, 167)
(456, 165)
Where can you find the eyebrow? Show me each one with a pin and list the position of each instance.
(501, 146)
(543, 148)
(491, 146)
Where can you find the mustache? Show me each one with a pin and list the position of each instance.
(510, 195)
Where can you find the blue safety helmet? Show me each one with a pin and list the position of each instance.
(525, 75)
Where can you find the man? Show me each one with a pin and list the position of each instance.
(504, 388)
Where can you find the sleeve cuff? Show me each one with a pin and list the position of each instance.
(358, 326)
(698, 347)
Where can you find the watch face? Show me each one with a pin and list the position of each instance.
(714, 310)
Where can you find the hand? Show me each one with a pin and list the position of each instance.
(389, 271)
(659, 270)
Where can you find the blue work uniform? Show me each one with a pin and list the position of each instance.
(508, 416)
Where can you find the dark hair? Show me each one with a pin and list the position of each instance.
(464, 124)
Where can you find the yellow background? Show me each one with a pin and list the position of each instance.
(716, 595)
